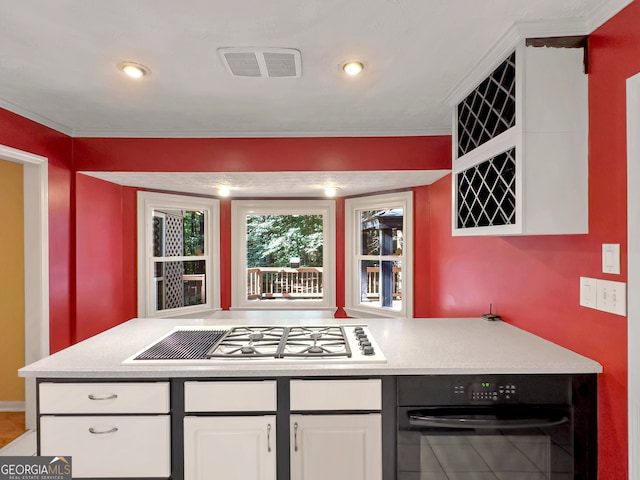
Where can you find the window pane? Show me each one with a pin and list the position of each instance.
(178, 233)
(179, 284)
(381, 231)
(284, 257)
(381, 283)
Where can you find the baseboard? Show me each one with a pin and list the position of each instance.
(24, 445)
(11, 406)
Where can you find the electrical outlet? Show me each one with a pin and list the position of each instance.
(588, 291)
(611, 297)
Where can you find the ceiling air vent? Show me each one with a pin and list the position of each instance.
(262, 62)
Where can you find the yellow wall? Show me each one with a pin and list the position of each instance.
(11, 282)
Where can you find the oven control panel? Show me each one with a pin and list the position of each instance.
(486, 391)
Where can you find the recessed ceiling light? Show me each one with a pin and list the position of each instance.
(224, 191)
(331, 191)
(353, 68)
(134, 70)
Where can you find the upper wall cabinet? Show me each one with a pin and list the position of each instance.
(520, 145)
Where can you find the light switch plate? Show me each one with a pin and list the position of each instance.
(612, 297)
(611, 258)
(588, 292)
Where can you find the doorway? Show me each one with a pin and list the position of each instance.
(36, 263)
(633, 261)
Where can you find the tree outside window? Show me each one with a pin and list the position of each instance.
(284, 254)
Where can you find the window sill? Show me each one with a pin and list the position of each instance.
(372, 313)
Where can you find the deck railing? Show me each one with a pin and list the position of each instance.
(274, 282)
(373, 282)
(306, 282)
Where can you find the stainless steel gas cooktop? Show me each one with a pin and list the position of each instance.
(263, 344)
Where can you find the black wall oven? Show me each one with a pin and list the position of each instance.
(497, 427)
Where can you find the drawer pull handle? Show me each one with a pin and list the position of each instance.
(102, 432)
(113, 396)
(295, 436)
(269, 438)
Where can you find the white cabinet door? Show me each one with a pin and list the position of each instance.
(232, 448)
(336, 447)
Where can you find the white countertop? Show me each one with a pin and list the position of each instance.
(412, 347)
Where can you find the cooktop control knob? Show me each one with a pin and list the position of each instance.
(368, 350)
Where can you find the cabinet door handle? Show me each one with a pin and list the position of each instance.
(102, 432)
(113, 396)
(295, 436)
(269, 438)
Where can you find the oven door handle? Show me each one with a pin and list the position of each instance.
(479, 423)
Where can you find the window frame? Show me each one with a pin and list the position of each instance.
(240, 209)
(353, 306)
(147, 203)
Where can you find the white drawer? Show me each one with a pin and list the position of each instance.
(114, 397)
(132, 446)
(250, 396)
(336, 395)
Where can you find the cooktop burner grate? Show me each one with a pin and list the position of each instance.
(250, 342)
(183, 345)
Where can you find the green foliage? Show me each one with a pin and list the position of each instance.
(193, 238)
(193, 230)
(272, 240)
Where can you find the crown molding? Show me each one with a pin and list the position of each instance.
(47, 122)
(603, 12)
(81, 133)
(487, 63)
(521, 30)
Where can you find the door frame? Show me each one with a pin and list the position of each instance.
(36, 264)
(633, 265)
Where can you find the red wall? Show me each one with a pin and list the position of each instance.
(261, 154)
(21, 133)
(533, 281)
(105, 256)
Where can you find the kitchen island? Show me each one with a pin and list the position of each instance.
(411, 347)
(279, 420)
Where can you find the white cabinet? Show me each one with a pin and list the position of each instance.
(108, 397)
(318, 395)
(235, 448)
(110, 446)
(339, 447)
(520, 149)
(244, 396)
(85, 421)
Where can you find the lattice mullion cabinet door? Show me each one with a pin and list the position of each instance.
(522, 132)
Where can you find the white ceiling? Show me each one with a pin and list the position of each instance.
(275, 184)
(58, 66)
(58, 62)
